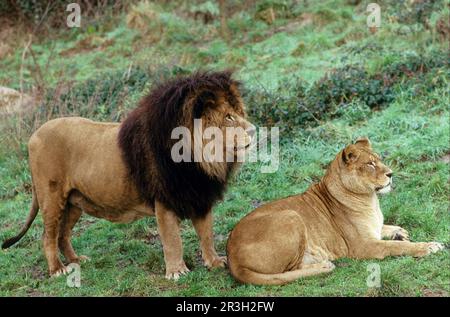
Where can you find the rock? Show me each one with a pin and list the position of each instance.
(12, 101)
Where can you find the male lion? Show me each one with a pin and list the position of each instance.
(339, 217)
(123, 172)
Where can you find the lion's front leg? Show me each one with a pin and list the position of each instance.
(169, 232)
(203, 227)
(394, 233)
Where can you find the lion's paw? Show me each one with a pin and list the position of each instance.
(62, 271)
(217, 262)
(84, 258)
(176, 273)
(80, 259)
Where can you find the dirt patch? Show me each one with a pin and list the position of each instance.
(88, 44)
(152, 238)
(434, 293)
(445, 158)
(35, 293)
(257, 203)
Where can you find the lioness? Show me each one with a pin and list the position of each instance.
(123, 172)
(339, 217)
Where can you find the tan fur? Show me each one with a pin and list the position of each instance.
(339, 217)
(77, 166)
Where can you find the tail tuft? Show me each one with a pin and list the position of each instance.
(9, 242)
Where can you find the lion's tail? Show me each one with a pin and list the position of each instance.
(31, 216)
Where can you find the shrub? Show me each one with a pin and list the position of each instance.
(348, 91)
(104, 97)
(53, 13)
(342, 85)
(283, 107)
(411, 12)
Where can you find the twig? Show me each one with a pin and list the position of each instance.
(22, 62)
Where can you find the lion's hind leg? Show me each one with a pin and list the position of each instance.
(71, 216)
(52, 213)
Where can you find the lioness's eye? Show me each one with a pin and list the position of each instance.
(229, 117)
(371, 164)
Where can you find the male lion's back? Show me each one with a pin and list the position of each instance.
(77, 153)
(74, 137)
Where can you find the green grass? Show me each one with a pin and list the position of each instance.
(125, 261)
(412, 133)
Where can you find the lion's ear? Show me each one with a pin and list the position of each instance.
(205, 99)
(364, 141)
(350, 154)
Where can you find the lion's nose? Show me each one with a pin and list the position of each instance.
(389, 174)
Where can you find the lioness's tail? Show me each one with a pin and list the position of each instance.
(248, 276)
(33, 212)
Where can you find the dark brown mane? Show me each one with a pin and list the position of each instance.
(145, 141)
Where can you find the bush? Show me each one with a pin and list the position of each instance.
(53, 13)
(282, 107)
(342, 85)
(347, 91)
(104, 97)
(411, 12)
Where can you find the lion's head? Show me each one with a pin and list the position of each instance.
(361, 170)
(194, 105)
(221, 134)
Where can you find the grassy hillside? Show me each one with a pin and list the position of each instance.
(316, 71)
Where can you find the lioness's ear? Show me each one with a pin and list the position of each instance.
(363, 141)
(350, 154)
(205, 99)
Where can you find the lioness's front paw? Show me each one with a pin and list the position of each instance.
(400, 234)
(218, 261)
(434, 247)
(176, 272)
(328, 265)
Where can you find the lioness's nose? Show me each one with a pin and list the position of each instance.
(389, 174)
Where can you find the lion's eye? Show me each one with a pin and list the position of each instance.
(229, 117)
(372, 164)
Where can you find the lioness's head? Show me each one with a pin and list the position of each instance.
(361, 170)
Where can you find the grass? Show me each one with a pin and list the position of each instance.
(412, 133)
